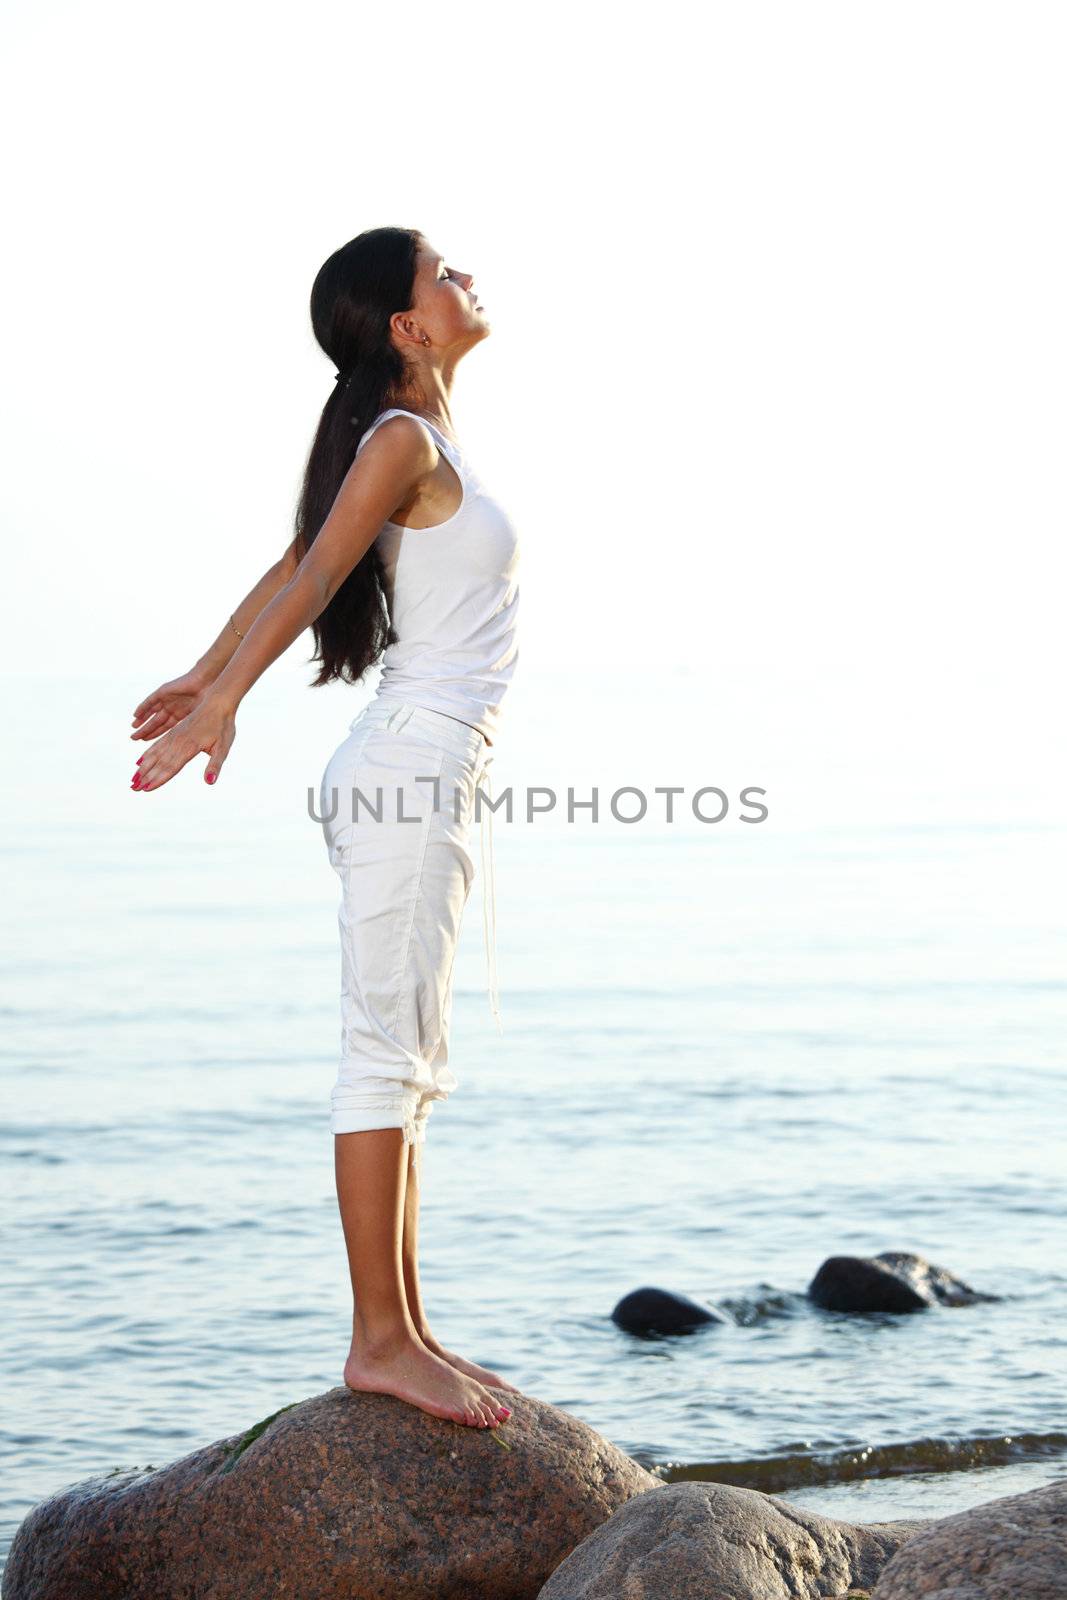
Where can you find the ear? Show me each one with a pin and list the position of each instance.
(404, 328)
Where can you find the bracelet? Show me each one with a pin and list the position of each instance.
(235, 628)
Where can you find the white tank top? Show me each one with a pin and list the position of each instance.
(453, 595)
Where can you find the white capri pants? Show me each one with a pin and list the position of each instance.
(409, 775)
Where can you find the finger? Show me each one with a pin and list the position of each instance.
(160, 723)
(160, 766)
(149, 703)
(218, 758)
(214, 767)
(163, 723)
(158, 777)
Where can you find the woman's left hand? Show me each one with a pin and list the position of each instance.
(211, 728)
(167, 705)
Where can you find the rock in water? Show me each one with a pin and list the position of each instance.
(661, 1311)
(344, 1496)
(715, 1540)
(893, 1280)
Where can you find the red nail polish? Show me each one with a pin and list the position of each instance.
(211, 777)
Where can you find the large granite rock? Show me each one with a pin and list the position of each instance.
(342, 1497)
(1009, 1549)
(711, 1541)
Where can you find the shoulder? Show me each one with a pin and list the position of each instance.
(403, 438)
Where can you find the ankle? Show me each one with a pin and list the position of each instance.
(378, 1344)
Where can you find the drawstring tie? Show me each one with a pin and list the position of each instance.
(411, 1138)
(485, 828)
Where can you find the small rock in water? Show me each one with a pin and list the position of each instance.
(662, 1311)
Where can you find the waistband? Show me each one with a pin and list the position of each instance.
(449, 732)
(471, 745)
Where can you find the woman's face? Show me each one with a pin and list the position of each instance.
(446, 305)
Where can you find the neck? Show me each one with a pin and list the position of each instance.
(430, 392)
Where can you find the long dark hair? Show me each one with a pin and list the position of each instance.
(355, 293)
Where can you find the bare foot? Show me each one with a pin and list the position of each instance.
(483, 1374)
(406, 1368)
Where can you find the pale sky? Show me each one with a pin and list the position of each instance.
(775, 383)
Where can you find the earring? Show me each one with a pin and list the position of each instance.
(425, 338)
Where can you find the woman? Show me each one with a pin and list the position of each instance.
(399, 554)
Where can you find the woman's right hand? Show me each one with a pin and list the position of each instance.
(168, 705)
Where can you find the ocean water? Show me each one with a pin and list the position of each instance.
(730, 1051)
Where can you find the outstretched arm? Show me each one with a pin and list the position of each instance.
(394, 461)
(175, 699)
(219, 653)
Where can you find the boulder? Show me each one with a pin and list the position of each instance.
(345, 1496)
(893, 1280)
(695, 1541)
(1007, 1549)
